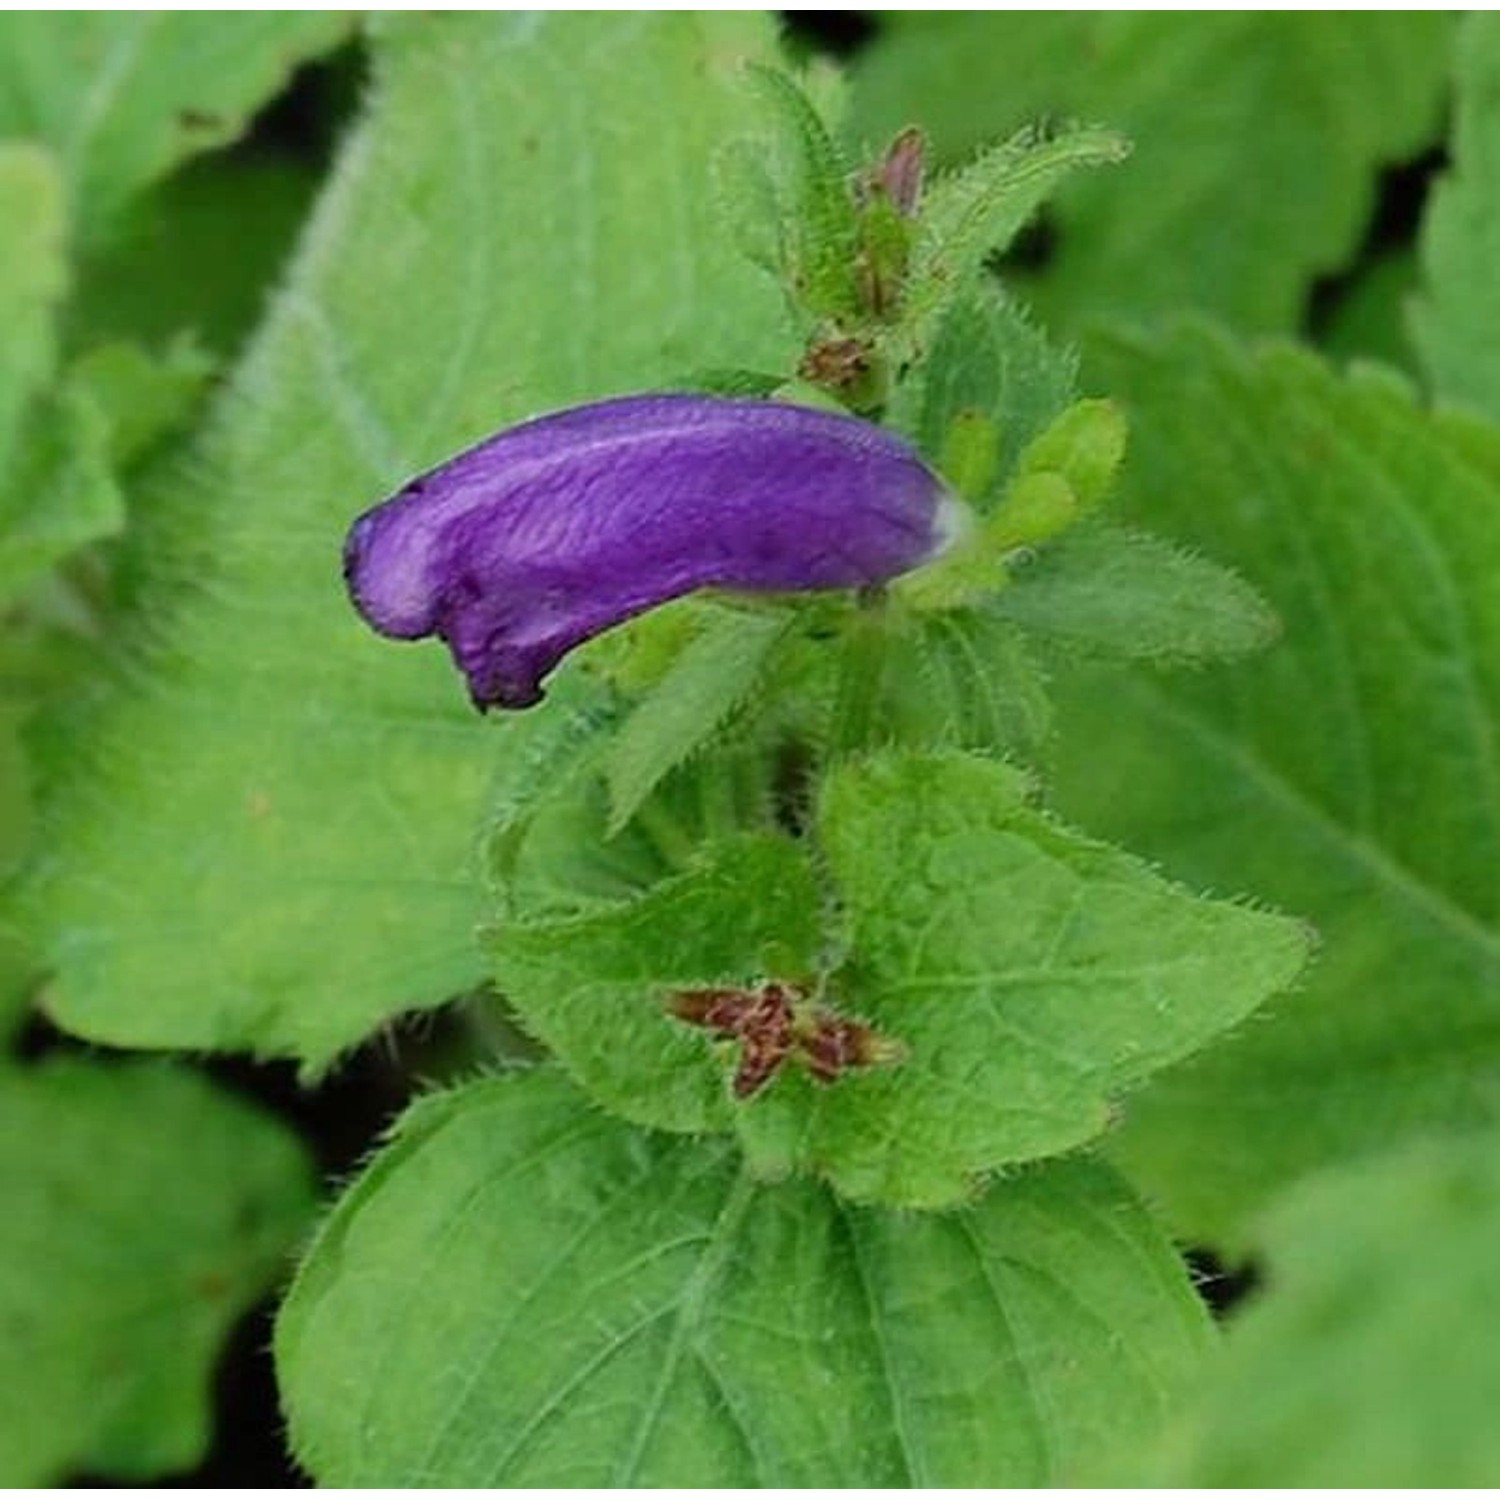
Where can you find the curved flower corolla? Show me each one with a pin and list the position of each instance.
(544, 535)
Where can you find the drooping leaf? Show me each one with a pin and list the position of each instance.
(521, 1292)
(1257, 139)
(1111, 592)
(1368, 1361)
(1457, 322)
(1026, 976)
(1348, 774)
(262, 837)
(145, 1211)
(122, 97)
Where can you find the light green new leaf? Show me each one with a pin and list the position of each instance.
(1349, 774)
(1370, 1361)
(521, 1292)
(121, 97)
(1111, 592)
(1457, 322)
(1028, 975)
(263, 837)
(1257, 137)
(712, 677)
(145, 1211)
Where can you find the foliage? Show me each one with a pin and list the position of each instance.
(1379, 1270)
(522, 1293)
(145, 1211)
(1256, 134)
(837, 1001)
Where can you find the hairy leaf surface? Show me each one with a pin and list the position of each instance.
(1029, 976)
(261, 836)
(1349, 774)
(1107, 591)
(522, 1292)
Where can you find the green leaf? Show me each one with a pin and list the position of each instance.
(261, 836)
(199, 253)
(1368, 1362)
(713, 676)
(144, 400)
(811, 198)
(548, 754)
(123, 97)
(1085, 446)
(987, 359)
(521, 1292)
(960, 678)
(1348, 775)
(1116, 593)
(56, 488)
(1457, 322)
(1370, 319)
(17, 965)
(978, 211)
(1257, 138)
(145, 1211)
(60, 490)
(1029, 975)
(33, 279)
(595, 987)
(1032, 975)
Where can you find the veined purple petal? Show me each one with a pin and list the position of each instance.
(546, 534)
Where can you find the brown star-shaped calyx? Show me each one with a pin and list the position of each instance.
(778, 1020)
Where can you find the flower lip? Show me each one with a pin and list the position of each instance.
(533, 541)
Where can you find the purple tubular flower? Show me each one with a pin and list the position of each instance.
(544, 535)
